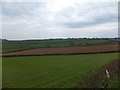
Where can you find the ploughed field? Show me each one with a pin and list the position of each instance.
(10, 46)
(53, 71)
(66, 50)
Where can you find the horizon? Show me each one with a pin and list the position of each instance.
(46, 19)
(59, 38)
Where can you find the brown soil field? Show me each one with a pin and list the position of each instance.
(66, 51)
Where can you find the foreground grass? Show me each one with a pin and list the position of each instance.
(114, 83)
(0, 72)
(52, 71)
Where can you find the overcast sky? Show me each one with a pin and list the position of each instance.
(40, 19)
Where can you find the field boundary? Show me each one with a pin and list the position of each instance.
(99, 78)
(65, 51)
(60, 54)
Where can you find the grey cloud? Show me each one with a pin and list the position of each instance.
(16, 9)
(96, 21)
(94, 13)
(29, 13)
(35, 20)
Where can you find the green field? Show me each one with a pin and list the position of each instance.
(14, 46)
(52, 71)
(9, 46)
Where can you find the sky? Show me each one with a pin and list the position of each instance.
(44, 19)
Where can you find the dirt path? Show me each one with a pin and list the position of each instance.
(68, 50)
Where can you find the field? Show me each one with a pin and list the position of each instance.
(10, 46)
(66, 50)
(73, 63)
(53, 71)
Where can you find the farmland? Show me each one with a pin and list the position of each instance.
(52, 71)
(66, 50)
(10, 46)
(73, 63)
(59, 44)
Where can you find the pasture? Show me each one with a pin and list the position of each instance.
(52, 71)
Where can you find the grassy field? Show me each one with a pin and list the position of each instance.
(9, 46)
(14, 46)
(52, 71)
(0, 72)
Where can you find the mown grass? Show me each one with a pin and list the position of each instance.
(52, 71)
(0, 72)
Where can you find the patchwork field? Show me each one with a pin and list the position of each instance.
(66, 71)
(53, 71)
(10, 46)
(66, 51)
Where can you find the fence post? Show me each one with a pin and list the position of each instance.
(107, 79)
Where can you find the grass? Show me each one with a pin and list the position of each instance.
(114, 83)
(10, 46)
(0, 72)
(52, 71)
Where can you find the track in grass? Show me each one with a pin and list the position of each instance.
(52, 71)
